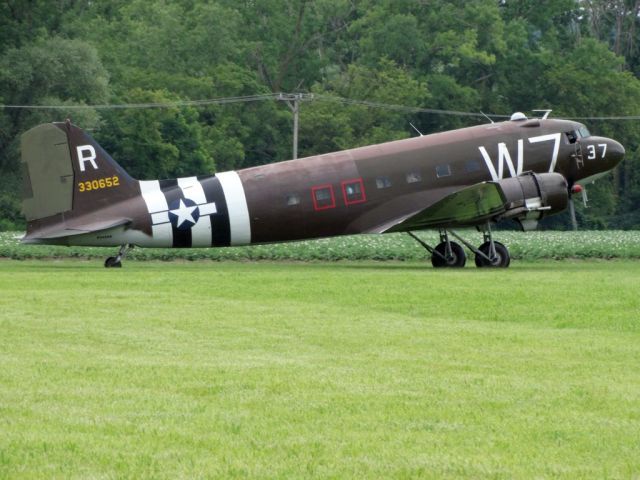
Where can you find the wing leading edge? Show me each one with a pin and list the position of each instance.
(526, 199)
(470, 206)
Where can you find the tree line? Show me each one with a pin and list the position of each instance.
(580, 58)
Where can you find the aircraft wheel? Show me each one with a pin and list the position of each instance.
(502, 259)
(457, 260)
(112, 262)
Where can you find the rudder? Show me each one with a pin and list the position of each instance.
(47, 172)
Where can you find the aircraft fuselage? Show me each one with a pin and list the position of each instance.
(75, 194)
(347, 192)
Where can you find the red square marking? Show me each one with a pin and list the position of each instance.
(323, 197)
(353, 191)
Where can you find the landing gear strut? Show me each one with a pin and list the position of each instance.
(446, 253)
(491, 253)
(451, 254)
(116, 262)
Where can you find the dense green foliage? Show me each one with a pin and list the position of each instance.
(396, 246)
(579, 57)
(232, 370)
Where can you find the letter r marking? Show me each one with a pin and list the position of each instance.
(86, 153)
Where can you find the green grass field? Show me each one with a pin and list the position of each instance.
(341, 370)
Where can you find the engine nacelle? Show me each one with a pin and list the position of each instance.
(532, 196)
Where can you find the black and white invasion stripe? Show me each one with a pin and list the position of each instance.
(223, 218)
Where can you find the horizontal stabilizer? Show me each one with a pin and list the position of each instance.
(73, 227)
(470, 206)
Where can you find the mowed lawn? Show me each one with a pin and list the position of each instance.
(339, 370)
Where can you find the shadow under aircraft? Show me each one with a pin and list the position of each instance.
(522, 169)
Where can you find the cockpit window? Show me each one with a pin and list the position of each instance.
(584, 132)
(572, 136)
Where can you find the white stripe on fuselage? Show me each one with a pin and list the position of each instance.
(157, 203)
(201, 231)
(237, 205)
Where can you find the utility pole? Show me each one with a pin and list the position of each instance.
(293, 101)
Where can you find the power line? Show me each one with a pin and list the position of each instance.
(280, 96)
(179, 103)
(403, 108)
(623, 118)
(250, 98)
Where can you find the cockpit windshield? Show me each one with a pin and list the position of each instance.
(583, 132)
(574, 135)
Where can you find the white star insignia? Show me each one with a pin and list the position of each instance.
(184, 213)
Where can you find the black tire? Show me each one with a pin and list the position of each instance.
(112, 263)
(502, 259)
(458, 257)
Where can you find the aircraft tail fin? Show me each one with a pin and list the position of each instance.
(66, 174)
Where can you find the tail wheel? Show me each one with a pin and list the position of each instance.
(456, 259)
(112, 262)
(500, 260)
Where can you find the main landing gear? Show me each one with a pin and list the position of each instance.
(451, 254)
(116, 262)
(446, 253)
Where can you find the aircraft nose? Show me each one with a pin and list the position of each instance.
(616, 152)
(602, 153)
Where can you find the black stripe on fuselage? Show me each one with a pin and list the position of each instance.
(172, 192)
(220, 229)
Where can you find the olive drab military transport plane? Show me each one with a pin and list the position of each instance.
(522, 169)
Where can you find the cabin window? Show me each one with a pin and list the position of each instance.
(353, 191)
(443, 170)
(323, 197)
(414, 177)
(472, 166)
(383, 182)
(293, 199)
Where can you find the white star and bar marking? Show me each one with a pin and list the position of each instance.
(185, 215)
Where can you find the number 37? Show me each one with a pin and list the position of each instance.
(592, 151)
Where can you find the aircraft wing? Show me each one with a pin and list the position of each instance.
(470, 206)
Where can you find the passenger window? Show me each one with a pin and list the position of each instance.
(293, 199)
(383, 182)
(353, 191)
(323, 197)
(414, 177)
(472, 166)
(443, 171)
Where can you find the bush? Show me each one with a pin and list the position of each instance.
(397, 246)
